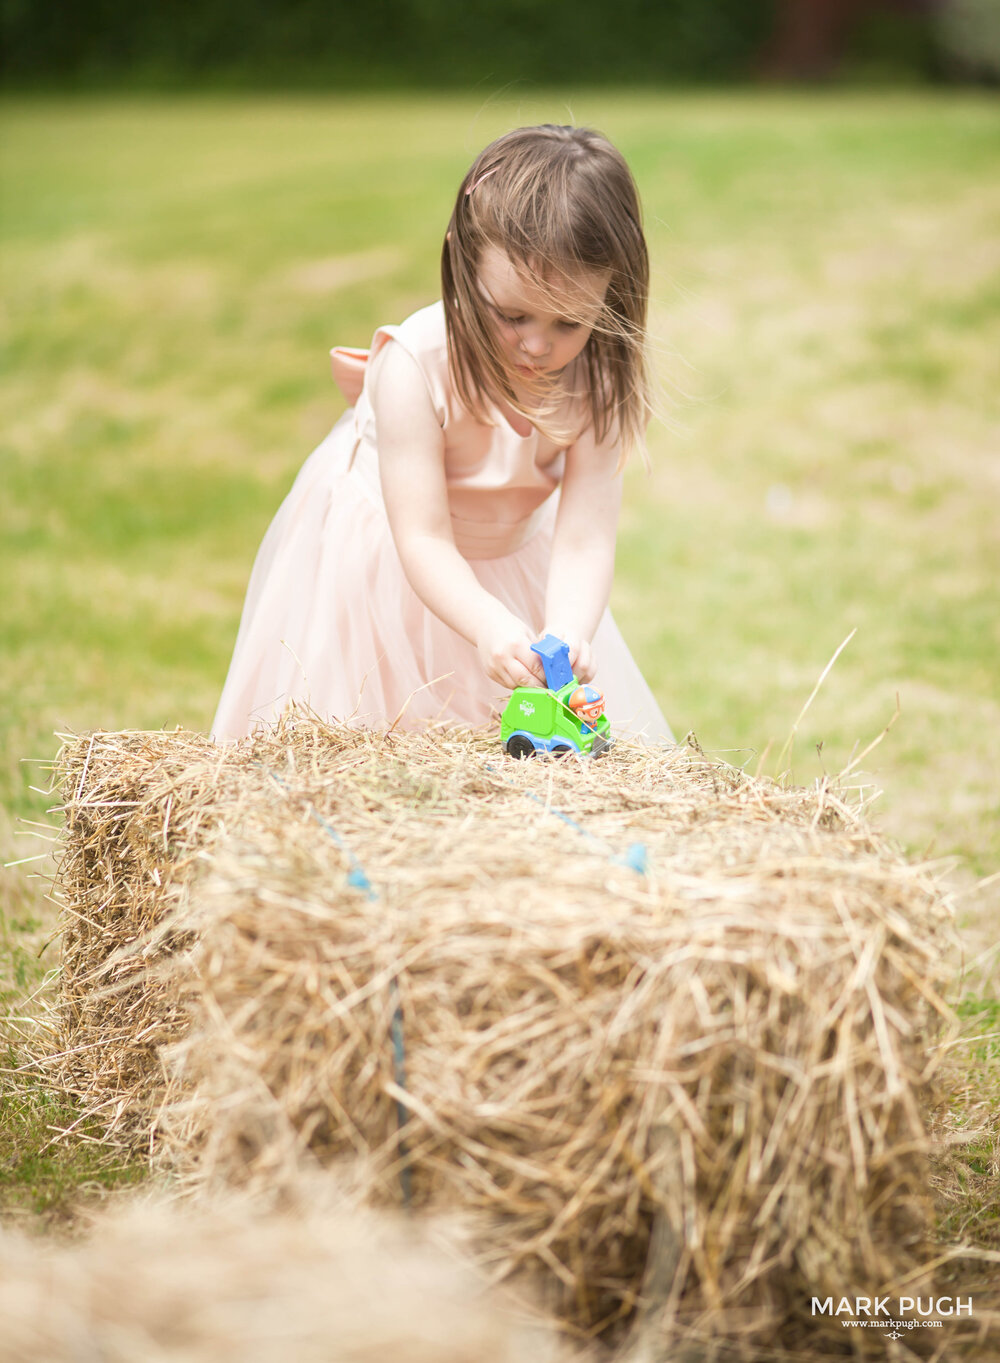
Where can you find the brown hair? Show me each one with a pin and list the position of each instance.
(554, 200)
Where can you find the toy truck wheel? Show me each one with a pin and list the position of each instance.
(562, 749)
(519, 746)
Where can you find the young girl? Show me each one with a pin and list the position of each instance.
(467, 503)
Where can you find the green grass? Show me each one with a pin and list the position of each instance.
(982, 1016)
(44, 1181)
(967, 1169)
(826, 322)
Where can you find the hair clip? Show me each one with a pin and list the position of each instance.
(485, 176)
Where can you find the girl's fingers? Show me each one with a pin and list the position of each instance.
(515, 671)
(530, 667)
(585, 664)
(509, 673)
(581, 659)
(520, 676)
(507, 656)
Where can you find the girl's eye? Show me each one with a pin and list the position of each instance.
(570, 326)
(512, 320)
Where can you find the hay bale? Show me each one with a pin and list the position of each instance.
(138, 807)
(163, 1285)
(724, 1036)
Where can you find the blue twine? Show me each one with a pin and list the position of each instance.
(636, 858)
(399, 1069)
(357, 878)
(550, 809)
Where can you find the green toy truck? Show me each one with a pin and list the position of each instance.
(562, 717)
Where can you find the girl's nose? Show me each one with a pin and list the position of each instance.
(535, 344)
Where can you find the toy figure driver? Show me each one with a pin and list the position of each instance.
(587, 704)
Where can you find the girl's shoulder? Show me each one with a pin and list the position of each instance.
(423, 334)
(424, 338)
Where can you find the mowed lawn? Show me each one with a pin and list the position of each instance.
(826, 329)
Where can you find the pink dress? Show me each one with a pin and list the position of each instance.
(330, 618)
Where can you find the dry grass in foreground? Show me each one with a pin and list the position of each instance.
(166, 1284)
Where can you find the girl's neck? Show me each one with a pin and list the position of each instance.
(556, 389)
(560, 392)
(518, 423)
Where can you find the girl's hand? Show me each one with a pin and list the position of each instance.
(504, 645)
(581, 655)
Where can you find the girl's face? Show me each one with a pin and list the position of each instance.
(542, 323)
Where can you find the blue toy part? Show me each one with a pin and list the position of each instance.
(555, 659)
(556, 744)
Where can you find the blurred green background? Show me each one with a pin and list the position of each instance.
(198, 201)
(435, 44)
(825, 325)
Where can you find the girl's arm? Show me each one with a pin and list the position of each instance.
(411, 464)
(583, 548)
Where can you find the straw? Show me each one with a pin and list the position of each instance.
(648, 999)
(163, 1284)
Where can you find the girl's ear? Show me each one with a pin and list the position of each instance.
(447, 236)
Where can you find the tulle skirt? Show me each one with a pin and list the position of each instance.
(330, 619)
